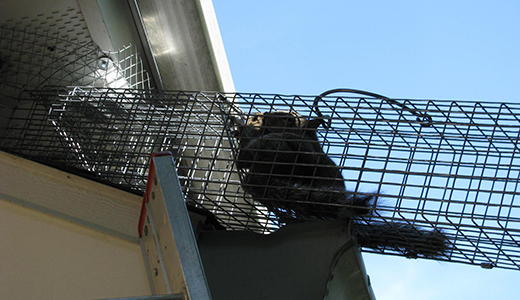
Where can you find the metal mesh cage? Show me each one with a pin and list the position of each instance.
(36, 56)
(449, 166)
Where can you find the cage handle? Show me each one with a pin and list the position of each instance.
(423, 118)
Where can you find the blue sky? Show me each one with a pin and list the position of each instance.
(409, 49)
(457, 50)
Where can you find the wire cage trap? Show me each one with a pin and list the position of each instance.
(36, 53)
(446, 166)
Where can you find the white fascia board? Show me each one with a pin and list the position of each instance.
(186, 44)
(215, 45)
(69, 196)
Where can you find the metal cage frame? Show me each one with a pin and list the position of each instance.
(449, 166)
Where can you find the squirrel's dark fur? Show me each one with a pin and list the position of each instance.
(287, 171)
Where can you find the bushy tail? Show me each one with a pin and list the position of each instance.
(296, 202)
(411, 241)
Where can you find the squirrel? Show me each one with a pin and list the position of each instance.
(286, 170)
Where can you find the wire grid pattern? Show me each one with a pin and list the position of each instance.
(57, 50)
(459, 173)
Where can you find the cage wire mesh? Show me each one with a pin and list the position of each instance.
(448, 166)
(33, 55)
(57, 50)
(456, 171)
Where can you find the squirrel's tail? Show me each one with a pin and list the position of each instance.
(302, 203)
(404, 238)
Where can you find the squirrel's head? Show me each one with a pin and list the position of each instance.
(282, 121)
(263, 123)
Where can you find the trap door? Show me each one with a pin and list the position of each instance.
(167, 239)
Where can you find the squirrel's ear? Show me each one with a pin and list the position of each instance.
(315, 123)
